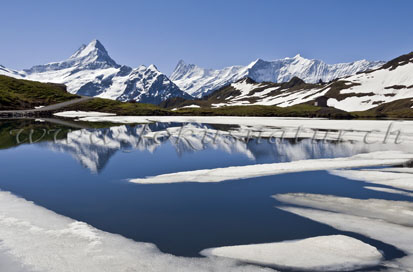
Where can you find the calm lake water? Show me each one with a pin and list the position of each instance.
(82, 176)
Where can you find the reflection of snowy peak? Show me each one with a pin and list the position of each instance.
(94, 148)
(91, 71)
(199, 81)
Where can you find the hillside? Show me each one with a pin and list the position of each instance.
(18, 94)
(247, 92)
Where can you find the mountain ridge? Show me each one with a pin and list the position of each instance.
(359, 92)
(199, 81)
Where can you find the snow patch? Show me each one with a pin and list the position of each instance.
(361, 216)
(323, 253)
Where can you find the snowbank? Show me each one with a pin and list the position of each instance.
(335, 252)
(361, 216)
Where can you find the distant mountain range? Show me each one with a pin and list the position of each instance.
(199, 81)
(354, 86)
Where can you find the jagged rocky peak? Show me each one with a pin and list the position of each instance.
(93, 52)
(90, 56)
(182, 69)
(95, 47)
(153, 67)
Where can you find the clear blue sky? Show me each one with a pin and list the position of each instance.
(209, 33)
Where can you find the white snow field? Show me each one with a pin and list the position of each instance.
(323, 253)
(384, 220)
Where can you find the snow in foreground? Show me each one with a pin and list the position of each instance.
(384, 220)
(41, 240)
(335, 252)
(380, 158)
(37, 239)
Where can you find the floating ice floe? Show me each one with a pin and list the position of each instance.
(323, 253)
(399, 180)
(260, 170)
(367, 217)
(36, 239)
(84, 114)
(399, 212)
(388, 190)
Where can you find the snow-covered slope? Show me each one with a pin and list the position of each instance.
(393, 81)
(199, 81)
(91, 71)
(362, 91)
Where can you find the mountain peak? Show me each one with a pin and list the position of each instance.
(153, 68)
(181, 62)
(181, 69)
(255, 62)
(93, 52)
(94, 47)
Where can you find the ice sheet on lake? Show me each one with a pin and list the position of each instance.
(323, 253)
(361, 216)
(388, 190)
(41, 240)
(399, 180)
(400, 212)
(260, 170)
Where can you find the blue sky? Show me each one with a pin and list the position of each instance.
(210, 33)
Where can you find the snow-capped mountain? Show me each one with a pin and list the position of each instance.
(199, 81)
(91, 71)
(362, 91)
